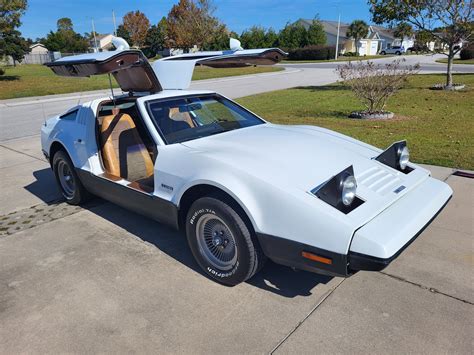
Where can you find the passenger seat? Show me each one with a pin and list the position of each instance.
(123, 151)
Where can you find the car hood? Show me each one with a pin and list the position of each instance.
(299, 156)
(298, 159)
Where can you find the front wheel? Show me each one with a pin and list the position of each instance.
(221, 241)
(69, 184)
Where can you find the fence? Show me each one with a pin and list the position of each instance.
(37, 58)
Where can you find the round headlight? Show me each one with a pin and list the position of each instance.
(349, 187)
(403, 158)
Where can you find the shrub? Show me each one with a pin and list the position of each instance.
(373, 83)
(350, 54)
(312, 53)
(467, 52)
(2, 71)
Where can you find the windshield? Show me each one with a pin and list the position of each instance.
(187, 118)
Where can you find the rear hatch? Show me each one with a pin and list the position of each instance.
(130, 68)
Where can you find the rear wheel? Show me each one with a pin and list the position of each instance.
(383, 53)
(221, 242)
(398, 53)
(68, 181)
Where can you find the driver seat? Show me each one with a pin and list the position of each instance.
(123, 151)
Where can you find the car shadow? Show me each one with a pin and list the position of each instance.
(273, 278)
(44, 187)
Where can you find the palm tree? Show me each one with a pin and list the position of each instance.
(358, 29)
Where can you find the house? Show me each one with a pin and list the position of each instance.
(38, 48)
(101, 43)
(377, 39)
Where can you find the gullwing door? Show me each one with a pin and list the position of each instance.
(131, 69)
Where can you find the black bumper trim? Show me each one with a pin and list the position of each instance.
(289, 253)
(359, 262)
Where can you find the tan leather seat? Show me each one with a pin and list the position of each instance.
(123, 151)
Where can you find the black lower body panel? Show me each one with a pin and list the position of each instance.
(146, 204)
(290, 253)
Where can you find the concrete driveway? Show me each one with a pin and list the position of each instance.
(100, 279)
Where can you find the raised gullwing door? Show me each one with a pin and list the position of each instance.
(130, 67)
(134, 73)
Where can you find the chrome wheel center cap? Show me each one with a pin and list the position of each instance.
(217, 240)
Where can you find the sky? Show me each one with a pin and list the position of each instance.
(41, 15)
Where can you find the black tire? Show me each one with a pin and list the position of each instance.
(76, 193)
(398, 53)
(383, 53)
(218, 213)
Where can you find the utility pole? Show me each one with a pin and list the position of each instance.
(95, 39)
(337, 38)
(115, 25)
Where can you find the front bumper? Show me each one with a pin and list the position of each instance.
(381, 240)
(374, 245)
(358, 262)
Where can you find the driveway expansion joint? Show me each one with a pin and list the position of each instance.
(431, 289)
(324, 297)
(23, 153)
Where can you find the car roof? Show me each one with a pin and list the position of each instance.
(165, 94)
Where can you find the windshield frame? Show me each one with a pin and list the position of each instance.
(148, 103)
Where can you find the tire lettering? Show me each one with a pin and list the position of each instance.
(222, 274)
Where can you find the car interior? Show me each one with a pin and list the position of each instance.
(127, 150)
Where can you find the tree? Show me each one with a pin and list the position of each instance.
(258, 37)
(271, 38)
(220, 39)
(252, 38)
(137, 25)
(403, 30)
(422, 38)
(11, 42)
(65, 39)
(10, 14)
(123, 33)
(191, 22)
(64, 24)
(454, 15)
(374, 84)
(293, 36)
(316, 34)
(357, 30)
(155, 38)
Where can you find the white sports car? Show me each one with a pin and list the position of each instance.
(241, 188)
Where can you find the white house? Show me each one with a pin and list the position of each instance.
(102, 43)
(377, 39)
(38, 48)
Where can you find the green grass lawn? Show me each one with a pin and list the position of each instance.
(456, 61)
(37, 80)
(438, 125)
(339, 59)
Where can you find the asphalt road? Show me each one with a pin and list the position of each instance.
(23, 117)
(427, 64)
